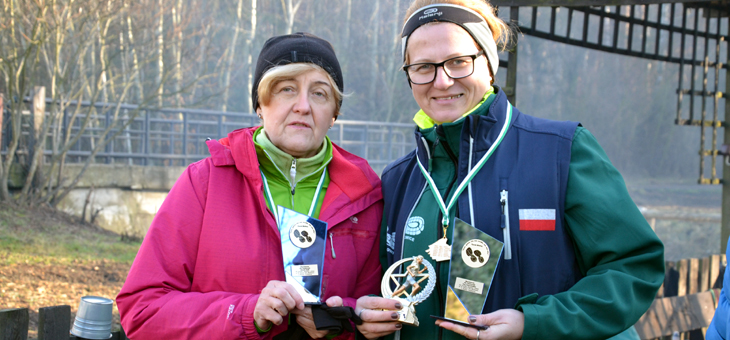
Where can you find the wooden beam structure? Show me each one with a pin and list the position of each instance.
(583, 3)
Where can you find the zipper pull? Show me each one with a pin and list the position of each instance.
(503, 202)
(332, 246)
(293, 174)
(503, 199)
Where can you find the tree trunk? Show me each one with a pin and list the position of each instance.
(4, 192)
(374, 65)
(160, 52)
(392, 73)
(176, 17)
(248, 54)
(36, 143)
(291, 12)
(231, 54)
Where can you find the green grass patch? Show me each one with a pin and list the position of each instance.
(30, 234)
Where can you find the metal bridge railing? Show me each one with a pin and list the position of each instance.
(176, 137)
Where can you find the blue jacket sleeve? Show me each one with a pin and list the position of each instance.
(718, 329)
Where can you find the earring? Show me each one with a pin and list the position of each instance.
(258, 114)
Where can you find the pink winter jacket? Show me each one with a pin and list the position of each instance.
(214, 245)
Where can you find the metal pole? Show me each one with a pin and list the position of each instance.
(725, 222)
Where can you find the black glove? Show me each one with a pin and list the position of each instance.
(334, 319)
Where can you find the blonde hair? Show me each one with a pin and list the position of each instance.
(282, 72)
(500, 30)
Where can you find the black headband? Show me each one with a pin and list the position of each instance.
(468, 19)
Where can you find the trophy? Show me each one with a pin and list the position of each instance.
(410, 286)
(302, 246)
(474, 259)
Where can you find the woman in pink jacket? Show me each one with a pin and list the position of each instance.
(211, 264)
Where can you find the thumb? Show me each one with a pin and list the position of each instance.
(482, 319)
(334, 301)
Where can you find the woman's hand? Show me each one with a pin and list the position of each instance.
(276, 300)
(503, 324)
(377, 323)
(306, 319)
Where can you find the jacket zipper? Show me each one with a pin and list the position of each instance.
(504, 195)
(293, 175)
(332, 246)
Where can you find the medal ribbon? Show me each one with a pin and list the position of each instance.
(270, 199)
(464, 183)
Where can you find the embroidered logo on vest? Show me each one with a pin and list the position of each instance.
(414, 227)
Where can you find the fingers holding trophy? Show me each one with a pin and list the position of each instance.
(410, 284)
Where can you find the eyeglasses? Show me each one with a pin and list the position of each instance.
(455, 68)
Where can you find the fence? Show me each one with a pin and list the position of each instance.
(685, 303)
(177, 136)
(54, 323)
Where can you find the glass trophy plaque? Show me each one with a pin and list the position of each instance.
(474, 259)
(302, 245)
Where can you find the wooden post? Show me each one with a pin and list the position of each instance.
(705, 274)
(714, 270)
(682, 265)
(693, 279)
(14, 324)
(725, 219)
(54, 323)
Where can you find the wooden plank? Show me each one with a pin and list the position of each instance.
(54, 323)
(704, 274)
(679, 313)
(714, 270)
(693, 278)
(671, 280)
(682, 266)
(14, 324)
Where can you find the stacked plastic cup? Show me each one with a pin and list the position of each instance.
(94, 318)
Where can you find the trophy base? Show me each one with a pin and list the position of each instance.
(460, 323)
(407, 313)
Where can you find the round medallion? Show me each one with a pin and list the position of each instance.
(302, 234)
(475, 253)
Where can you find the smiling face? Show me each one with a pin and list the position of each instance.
(298, 113)
(446, 99)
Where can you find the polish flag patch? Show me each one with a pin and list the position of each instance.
(537, 219)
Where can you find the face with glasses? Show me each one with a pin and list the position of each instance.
(449, 75)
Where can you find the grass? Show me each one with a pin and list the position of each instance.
(42, 235)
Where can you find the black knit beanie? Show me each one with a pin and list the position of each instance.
(296, 48)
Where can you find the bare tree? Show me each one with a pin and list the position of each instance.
(290, 10)
(80, 50)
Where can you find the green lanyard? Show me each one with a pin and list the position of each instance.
(270, 199)
(445, 208)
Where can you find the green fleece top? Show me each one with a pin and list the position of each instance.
(587, 187)
(297, 193)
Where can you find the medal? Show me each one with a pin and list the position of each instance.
(436, 249)
(439, 250)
